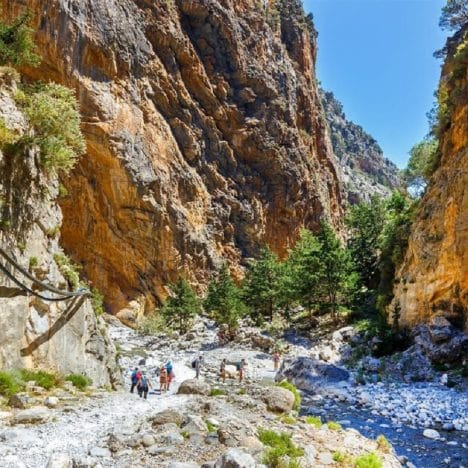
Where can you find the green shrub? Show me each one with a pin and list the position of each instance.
(79, 381)
(153, 324)
(68, 269)
(97, 301)
(280, 445)
(42, 378)
(369, 460)
(217, 391)
(242, 391)
(383, 444)
(33, 262)
(10, 383)
(53, 231)
(292, 388)
(333, 426)
(52, 111)
(287, 419)
(315, 421)
(16, 42)
(339, 457)
(210, 427)
(7, 136)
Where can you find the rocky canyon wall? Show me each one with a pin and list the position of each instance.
(205, 135)
(64, 336)
(433, 279)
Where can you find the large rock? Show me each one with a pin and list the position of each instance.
(166, 417)
(37, 414)
(19, 400)
(279, 399)
(310, 374)
(235, 458)
(194, 387)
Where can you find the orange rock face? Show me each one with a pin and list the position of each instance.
(205, 136)
(433, 279)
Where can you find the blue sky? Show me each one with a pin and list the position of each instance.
(376, 56)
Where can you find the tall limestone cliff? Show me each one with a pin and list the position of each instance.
(433, 279)
(64, 336)
(205, 135)
(366, 171)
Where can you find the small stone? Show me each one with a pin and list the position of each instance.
(51, 401)
(326, 458)
(148, 440)
(100, 452)
(183, 465)
(156, 450)
(448, 427)
(214, 422)
(194, 387)
(235, 458)
(174, 438)
(166, 417)
(431, 434)
(60, 460)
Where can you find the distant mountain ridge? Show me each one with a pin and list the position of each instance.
(366, 171)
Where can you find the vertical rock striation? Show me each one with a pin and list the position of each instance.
(205, 135)
(64, 336)
(433, 279)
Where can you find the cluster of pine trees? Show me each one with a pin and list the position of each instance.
(321, 273)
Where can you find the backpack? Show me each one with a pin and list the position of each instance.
(169, 368)
(143, 382)
(238, 366)
(194, 364)
(134, 377)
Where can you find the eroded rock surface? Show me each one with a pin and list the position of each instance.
(205, 135)
(433, 279)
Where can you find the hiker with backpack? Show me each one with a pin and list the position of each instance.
(143, 385)
(197, 365)
(135, 377)
(163, 387)
(276, 360)
(170, 373)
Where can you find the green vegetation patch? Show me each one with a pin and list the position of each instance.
(11, 382)
(280, 445)
(68, 269)
(79, 381)
(333, 426)
(315, 421)
(369, 460)
(292, 388)
(42, 378)
(217, 392)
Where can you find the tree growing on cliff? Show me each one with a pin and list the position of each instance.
(421, 165)
(223, 301)
(16, 43)
(394, 241)
(181, 306)
(261, 288)
(454, 15)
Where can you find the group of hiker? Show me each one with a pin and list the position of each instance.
(142, 383)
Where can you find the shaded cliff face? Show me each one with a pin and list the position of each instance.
(433, 279)
(366, 171)
(205, 138)
(64, 336)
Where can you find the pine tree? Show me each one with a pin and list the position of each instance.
(261, 287)
(366, 222)
(181, 307)
(223, 301)
(304, 271)
(335, 268)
